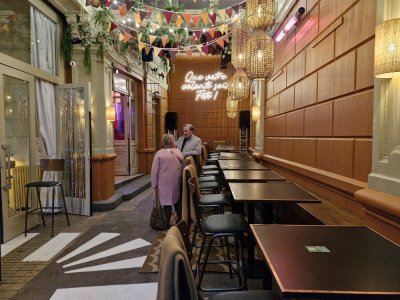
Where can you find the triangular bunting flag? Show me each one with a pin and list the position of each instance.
(221, 43)
(205, 49)
(221, 13)
(152, 39)
(196, 20)
(221, 28)
(198, 34)
(154, 26)
(187, 18)
(199, 48)
(226, 38)
(178, 21)
(173, 54)
(189, 52)
(120, 37)
(149, 10)
(243, 4)
(204, 17)
(137, 18)
(129, 4)
(192, 40)
(112, 26)
(157, 51)
(165, 40)
(228, 11)
(211, 31)
(225, 28)
(168, 15)
(142, 14)
(108, 3)
(122, 10)
(141, 45)
(213, 17)
(5, 28)
(127, 37)
(236, 8)
(160, 18)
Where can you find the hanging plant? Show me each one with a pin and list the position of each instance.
(102, 18)
(66, 43)
(124, 47)
(86, 33)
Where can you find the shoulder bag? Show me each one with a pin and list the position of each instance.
(158, 218)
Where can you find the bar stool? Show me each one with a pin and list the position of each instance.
(49, 165)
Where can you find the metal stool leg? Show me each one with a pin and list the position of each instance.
(65, 204)
(26, 210)
(40, 205)
(52, 213)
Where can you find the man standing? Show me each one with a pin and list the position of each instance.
(189, 144)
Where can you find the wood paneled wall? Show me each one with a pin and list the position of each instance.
(208, 117)
(319, 105)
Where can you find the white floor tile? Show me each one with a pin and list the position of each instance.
(136, 262)
(97, 240)
(142, 291)
(131, 245)
(52, 247)
(15, 243)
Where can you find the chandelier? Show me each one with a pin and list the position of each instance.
(259, 62)
(240, 35)
(239, 85)
(260, 14)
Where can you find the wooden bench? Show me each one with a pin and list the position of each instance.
(324, 213)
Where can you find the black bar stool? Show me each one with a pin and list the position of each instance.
(49, 165)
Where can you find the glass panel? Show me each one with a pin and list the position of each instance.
(16, 144)
(119, 123)
(133, 120)
(72, 134)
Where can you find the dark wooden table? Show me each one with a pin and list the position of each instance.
(268, 194)
(232, 156)
(361, 264)
(227, 148)
(243, 164)
(251, 176)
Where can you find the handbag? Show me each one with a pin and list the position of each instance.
(158, 218)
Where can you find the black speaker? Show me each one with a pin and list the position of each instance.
(171, 120)
(244, 119)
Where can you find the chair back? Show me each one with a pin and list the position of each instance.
(175, 277)
(194, 199)
(52, 164)
(188, 214)
(185, 234)
(191, 162)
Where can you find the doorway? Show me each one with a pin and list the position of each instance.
(17, 148)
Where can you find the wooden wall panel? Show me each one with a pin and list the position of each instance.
(320, 53)
(271, 146)
(351, 33)
(295, 123)
(285, 148)
(306, 91)
(272, 106)
(318, 120)
(280, 81)
(330, 10)
(286, 100)
(365, 70)
(362, 158)
(275, 126)
(296, 68)
(305, 151)
(337, 78)
(270, 89)
(336, 155)
(307, 30)
(353, 115)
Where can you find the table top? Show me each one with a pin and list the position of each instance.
(227, 148)
(360, 261)
(251, 175)
(272, 191)
(230, 154)
(243, 164)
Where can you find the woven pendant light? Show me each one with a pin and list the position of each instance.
(387, 49)
(240, 36)
(239, 85)
(232, 105)
(232, 114)
(259, 56)
(260, 14)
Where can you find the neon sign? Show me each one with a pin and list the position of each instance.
(205, 86)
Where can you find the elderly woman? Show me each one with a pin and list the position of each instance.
(166, 172)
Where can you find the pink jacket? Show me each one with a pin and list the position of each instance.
(166, 174)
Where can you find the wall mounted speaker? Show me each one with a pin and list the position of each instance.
(171, 120)
(244, 119)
